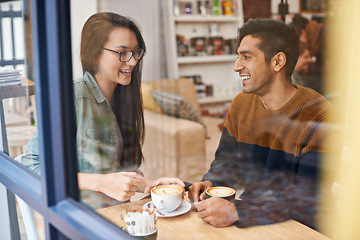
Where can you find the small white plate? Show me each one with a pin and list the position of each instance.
(184, 207)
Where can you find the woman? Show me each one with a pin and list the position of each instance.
(110, 123)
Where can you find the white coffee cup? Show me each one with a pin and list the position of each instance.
(167, 198)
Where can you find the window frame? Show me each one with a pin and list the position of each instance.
(55, 193)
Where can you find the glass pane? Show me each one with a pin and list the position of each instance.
(31, 223)
(6, 26)
(272, 156)
(18, 105)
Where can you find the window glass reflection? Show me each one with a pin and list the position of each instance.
(274, 156)
(16, 86)
(277, 156)
(108, 107)
(188, 155)
(31, 222)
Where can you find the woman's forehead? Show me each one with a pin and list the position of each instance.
(122, 38)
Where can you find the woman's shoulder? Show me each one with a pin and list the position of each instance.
(81, 89)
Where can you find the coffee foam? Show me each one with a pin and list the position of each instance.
(220, 191)
(166, 190)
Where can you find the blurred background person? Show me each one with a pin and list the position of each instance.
(302, 65)
(311, 43)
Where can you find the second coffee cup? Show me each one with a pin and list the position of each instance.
(222, 192)
(167, 198)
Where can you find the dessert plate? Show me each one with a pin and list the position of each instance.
(184, 207)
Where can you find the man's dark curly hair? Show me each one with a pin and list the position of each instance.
(275, 36)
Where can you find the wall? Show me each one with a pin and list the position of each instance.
(147, 15)
(293, 6)
(79, 15)
(269, 8)
(293, 9)
(256, 9)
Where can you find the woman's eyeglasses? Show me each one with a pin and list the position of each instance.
(126, 56)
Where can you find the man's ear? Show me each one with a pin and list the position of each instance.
(279, 61)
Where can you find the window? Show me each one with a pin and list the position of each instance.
(55, 27)
(53, 193)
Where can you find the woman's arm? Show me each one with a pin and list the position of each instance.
(31, 158)
(120, 186)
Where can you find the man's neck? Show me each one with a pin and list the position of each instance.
(278, 96)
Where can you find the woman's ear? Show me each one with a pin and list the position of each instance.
(279, 61)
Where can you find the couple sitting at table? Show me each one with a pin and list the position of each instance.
(276, 139)
(272, 141)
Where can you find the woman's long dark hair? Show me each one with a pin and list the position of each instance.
(127, 100)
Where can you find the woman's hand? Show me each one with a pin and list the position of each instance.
(120, 186)
(163, 181)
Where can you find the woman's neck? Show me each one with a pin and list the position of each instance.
(107, 88)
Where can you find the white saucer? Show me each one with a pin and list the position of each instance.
(184, 207)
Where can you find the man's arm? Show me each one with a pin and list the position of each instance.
(270, 196)
(226, 168)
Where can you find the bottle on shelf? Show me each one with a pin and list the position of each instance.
(215, 43)
(197, 44)
(176, 8)
(188, 8)
(205, 7)
(208, 7)
(227, 7)
(216, 7)
(201, 8)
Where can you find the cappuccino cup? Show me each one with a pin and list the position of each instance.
(167, 198)
(221, 192)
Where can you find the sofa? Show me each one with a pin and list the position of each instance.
(177, 146)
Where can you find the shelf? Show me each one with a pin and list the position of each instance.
(210, 100)
(26, 88)
(207, 59)
(200, 18)
(212, 69)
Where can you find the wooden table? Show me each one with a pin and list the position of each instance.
(189, 226)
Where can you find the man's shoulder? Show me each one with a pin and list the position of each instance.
(309, 91)
(241, 97)
(241, 100)
(309, 95)
(315, 104)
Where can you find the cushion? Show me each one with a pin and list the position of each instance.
(183, 87)
(148, 101)
(176, 106)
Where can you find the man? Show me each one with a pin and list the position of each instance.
(302, 65)
(272, 139)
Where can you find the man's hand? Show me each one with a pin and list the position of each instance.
(217, 212)
(198, 188)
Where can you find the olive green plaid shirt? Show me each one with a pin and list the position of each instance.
(99, 141)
